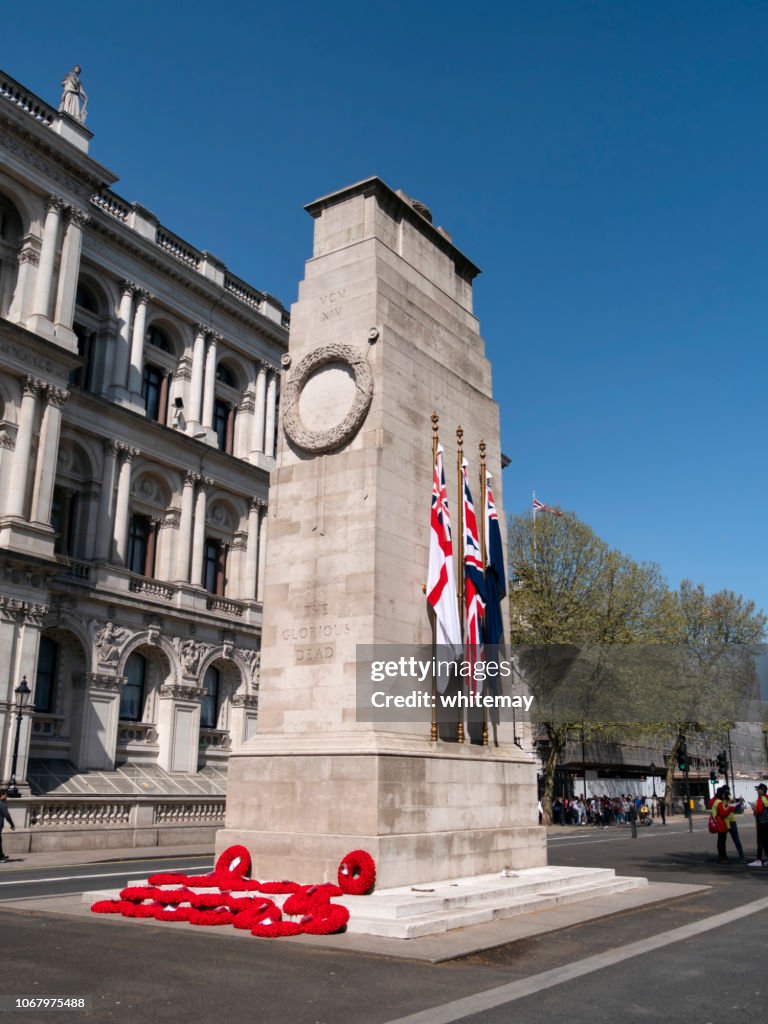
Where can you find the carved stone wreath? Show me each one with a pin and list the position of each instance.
(321, 441)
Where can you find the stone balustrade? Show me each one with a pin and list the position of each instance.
(177, 248)
(225, 605)
(152, 588)
(244, 292)
(215, 739)
(136, 732)
(27, 101)
(111, 204)
(45, 726)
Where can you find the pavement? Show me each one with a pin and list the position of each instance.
(459, 942)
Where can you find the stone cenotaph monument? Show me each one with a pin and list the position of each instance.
(383, 333)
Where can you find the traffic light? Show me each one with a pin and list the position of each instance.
(682, 755)
(712, 776)
(722, 763)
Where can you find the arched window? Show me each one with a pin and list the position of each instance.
(209, 708)
(47, 669)
(88, 325)
(132, 692)
(11, 234)
(157, 373)
(159, 339)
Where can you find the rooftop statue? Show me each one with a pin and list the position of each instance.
(74, 98)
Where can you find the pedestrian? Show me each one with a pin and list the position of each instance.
(4, 816)
(662, 805)
(733, 827)
(557, 811)
(720, 811)
(760, 808)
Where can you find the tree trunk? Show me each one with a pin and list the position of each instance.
(556, 743)
(669, 775)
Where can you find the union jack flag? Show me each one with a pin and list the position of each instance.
(474, 587)
(441, 581)
(539, 507)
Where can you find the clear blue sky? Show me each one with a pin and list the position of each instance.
(605, 163)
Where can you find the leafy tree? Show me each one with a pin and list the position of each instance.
(708, 675)
(576, 606)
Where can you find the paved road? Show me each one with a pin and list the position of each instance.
(18, 882)
(671, 962)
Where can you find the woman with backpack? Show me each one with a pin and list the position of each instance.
(719, 813)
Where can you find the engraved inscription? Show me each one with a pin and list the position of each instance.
(314, 654)
(317, 631)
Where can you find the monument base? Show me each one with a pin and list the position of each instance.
(423, 815)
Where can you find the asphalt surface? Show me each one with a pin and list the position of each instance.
(19, 882)
(689, 960)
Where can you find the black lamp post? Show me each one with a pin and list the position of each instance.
(653, 778)
(22, 691)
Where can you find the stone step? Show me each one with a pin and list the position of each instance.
(436, 923)
(406, 902)
(410, 912)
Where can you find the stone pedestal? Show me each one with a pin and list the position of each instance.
(382, 335)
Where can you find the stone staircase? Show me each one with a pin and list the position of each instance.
(409, 912)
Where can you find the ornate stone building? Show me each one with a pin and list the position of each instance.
(139, 386)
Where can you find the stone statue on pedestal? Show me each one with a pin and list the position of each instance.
(74, 98)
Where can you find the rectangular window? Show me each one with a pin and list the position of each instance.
(47, 667)
(140, 546)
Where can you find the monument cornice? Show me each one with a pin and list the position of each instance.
(375, 186)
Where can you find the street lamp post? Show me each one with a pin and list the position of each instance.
(22, 691)
(653, 779)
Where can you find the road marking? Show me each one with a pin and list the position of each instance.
(62, 878)
(469, 1006)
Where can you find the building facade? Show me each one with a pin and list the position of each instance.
(139, 390)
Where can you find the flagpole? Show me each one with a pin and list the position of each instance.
(533, 513)
(460, 492)
(433, 727)
(483, 556)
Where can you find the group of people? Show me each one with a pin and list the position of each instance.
(723, 822)
(605, 810)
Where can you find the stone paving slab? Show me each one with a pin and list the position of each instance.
(430, 949)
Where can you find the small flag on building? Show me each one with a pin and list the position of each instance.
(540, 507)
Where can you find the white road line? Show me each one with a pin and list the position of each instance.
(62, 878)
(491, 998)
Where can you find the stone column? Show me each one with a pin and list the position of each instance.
(47, 455)
(196, 380)
(259, 412)
(262, 553)
(69, 269)
(122, 507)
(198, 538)
(17, 482)
(29, 256)
(136, 368)
(103, 547)
(120, 361)
(209, 388)
(181, 573)
(269, 439)
(248, 590)
(41, 305)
